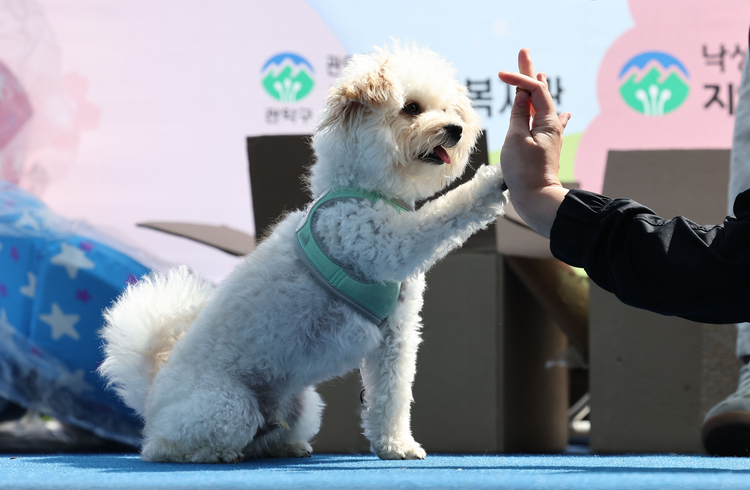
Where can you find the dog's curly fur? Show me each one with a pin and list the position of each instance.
(226, 373)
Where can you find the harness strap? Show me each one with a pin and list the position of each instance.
(375, 300)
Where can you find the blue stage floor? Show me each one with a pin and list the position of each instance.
(366, 471)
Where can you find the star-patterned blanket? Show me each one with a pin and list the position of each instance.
(54, 284)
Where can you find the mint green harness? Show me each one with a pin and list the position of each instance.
(375, 300)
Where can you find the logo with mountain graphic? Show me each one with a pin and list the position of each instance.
(288, 77)
(654, 83)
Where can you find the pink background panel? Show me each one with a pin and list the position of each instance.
(680, 28)
(169, 91)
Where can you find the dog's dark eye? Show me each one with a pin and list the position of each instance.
(412, 108)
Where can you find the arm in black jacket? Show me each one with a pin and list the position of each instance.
(672, 267)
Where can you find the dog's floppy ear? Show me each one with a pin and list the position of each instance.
(374, 87)
(465, 110)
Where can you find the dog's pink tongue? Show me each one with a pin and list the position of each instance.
(440, 151)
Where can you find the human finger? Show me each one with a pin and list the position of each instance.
(525, 65)
(540, 96)
(564, 118)
(520, 114)
(542, 77)
(518, 79)
(513, 79)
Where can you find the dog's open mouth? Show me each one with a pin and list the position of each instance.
(438, 155)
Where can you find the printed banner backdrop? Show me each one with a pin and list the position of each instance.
(669, 82)
(124, 112)
(120, 112)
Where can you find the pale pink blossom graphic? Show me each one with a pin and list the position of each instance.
(43, 112)
(15, 109)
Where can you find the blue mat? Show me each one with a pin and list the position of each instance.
(366, 471)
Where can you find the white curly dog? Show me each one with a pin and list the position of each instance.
(219, 374)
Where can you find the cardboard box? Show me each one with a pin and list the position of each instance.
(653, 378)
(481, 384)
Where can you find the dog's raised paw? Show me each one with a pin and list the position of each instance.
(400, 450)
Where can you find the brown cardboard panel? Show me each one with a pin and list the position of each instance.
(690, 183)
(563, 294)
(277, 166)
(458, 389)
(645, 373)
(513, 238)
(535, 398)
(482, 384)
(653, 378)
(340, 430)
(224, 238)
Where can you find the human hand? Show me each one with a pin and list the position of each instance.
(530, 157)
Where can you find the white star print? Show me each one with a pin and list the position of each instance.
(28, 220)
(61, 323)
(72, 258)
(30, 289)
(75, 381)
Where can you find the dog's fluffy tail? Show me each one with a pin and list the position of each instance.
(143, 325)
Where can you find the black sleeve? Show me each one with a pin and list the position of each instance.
(672, 267)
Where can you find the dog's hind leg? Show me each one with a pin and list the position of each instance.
(211, 423)
(291, 437)
(307, 424)
(388, 374)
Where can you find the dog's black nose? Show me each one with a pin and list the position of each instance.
(453, 133)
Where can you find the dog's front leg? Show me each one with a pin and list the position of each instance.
(414, 242)
(388, 374)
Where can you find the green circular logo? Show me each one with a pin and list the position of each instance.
(654, 83)
(288, 77)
